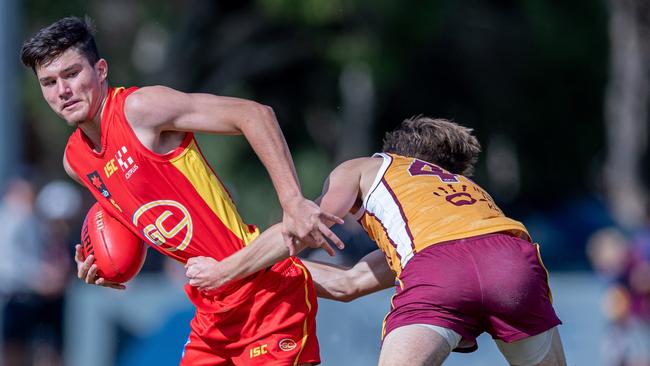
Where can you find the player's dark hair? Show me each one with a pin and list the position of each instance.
(437, 141)
(52, 41)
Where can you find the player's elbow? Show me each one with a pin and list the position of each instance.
(347, 298)
(255, 118)
(262, 113)
(347, 291)
(266, 110)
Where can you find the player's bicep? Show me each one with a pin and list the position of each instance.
(339, 283)
(164, 108)
(341, 189)
(371, 274)
(222, 115)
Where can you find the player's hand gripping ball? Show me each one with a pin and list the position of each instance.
(119, 253)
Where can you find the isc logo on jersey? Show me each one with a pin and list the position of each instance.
(165, 223)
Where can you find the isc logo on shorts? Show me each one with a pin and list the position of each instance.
(258, 351)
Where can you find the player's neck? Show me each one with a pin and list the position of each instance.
(92, 128)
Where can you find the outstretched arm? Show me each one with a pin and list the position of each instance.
(370, 274)
(156, 109)
(340, 193)
(206, 273)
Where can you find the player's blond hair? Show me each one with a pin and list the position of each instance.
(436, 140)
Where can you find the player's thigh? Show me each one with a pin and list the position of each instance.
(544, 349)
(413, 345)
(198, 353)
(556, 356)
(280, 328)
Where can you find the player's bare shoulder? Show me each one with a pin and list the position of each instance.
(355, 167)
(361, 164)
(371, 165)
(369, 169)
(153, 106)
(364, 170)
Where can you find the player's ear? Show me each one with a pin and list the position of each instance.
(101, 68)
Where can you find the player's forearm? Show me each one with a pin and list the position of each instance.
(370, 274)
(263, 252)
(265, 137)
(331, 281)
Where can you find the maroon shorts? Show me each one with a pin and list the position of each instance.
(491, 283)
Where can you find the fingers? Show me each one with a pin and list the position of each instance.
(87, 270)
(91, 276)
(317, 240)
(200, 273)
(103, 282)
(289, 242)
(205, 288)
(84, 266)
(190, 262)
(323, 244)
(331, 236)
(191, 271)
(78, 254)
(292, 248)
(325, 216)
(195, 282)
(328, 248)
(193, 266)
(201, 283)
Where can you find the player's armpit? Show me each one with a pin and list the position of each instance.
(69, 171)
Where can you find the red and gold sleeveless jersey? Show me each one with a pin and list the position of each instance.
(413, 204)
(174, 201)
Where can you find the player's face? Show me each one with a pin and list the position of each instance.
(72, 87)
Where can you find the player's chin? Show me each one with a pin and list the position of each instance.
(73, 119)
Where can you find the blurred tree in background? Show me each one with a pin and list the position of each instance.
(626, 109)
(530, 77)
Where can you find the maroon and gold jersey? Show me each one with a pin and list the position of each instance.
(173, 201)
(413, 204)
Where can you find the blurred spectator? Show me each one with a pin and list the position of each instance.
(625, 265)
(33, 271)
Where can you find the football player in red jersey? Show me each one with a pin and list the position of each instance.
(460, 267)
(135, 150)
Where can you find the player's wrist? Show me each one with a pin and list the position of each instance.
(227, 271)
(290, 200)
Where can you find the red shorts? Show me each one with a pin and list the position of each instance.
(269, 320)
(491, 283)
